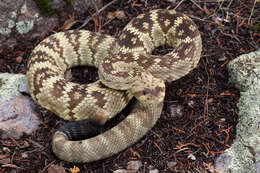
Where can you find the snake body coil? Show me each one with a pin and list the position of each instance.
(126, 69)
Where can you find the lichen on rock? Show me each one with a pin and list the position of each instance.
(245, 151)
(9, 85)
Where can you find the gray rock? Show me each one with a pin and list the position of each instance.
(222, 163)
(56, 169)
(17, 114)
(154, 171)
(21, 19)
(245, 151)
(258, 167)
(171, 164)
(23, 88)
(176, 110)
(120, 171)
(9, 85)
(17, 117)
(134, 165)
(81, 6)
(191, 157)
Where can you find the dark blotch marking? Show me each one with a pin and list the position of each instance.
(163, 16)
(100, 98)
(127, 41)
(138, 23)
(76, 43)
(58, 88)
(41, 57)
(155, 92)
(81, 91)
(45, 74)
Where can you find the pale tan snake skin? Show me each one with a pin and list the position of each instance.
(126, 65)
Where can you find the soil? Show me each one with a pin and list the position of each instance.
(199, 116)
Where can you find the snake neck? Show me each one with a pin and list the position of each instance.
(126, 73)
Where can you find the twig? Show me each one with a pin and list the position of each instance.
(229, 3)
(178, 4)
(213, 1)
(196, 4)
(222, 2)
(47, 166)
(195, 17)
(252, 11)
(96, 13)
(94, 4)
(107, 22)
(206, 108)
(229, 35)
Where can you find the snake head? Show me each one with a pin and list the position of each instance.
(148, 89)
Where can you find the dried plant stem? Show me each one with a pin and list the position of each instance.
(252, 11)
(96, 13)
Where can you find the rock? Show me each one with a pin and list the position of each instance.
(191, 157)
(244, 153)
(171, 164)
(9, 85)
(56, 169)
(134, 165)
(257, 167)
(176, 110)
(81, 6)
(23, 87)
(154, 171)
(21, 19)
(222, 163)
(17, 114)
(120, 171)
(17, 117)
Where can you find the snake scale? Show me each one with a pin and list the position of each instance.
(126, 68)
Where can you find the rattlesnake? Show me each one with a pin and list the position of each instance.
(126, 69)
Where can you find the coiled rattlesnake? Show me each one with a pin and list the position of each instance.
(126, 67)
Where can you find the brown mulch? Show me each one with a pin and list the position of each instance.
(199, 115)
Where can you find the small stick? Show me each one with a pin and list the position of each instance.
(94, 4)
(252, 11)
(195, 17)
(178, 4)
(214, 1)
(96, 13)
(196, 4)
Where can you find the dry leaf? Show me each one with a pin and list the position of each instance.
(68, 23)
(116, 14)
(192, 95)
(226, 93)
(210, 100)
(75, 169)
